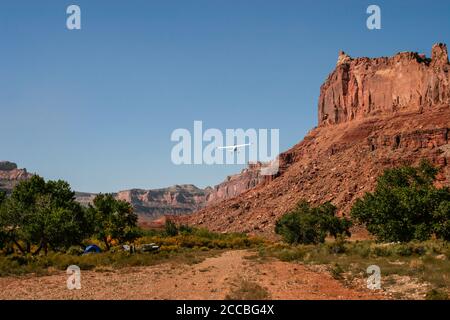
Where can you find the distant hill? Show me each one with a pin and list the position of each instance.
(151, 204)
(154, 203)
(10, 175)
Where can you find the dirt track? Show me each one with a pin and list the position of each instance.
(211, 279)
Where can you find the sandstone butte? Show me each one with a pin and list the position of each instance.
(373, 114)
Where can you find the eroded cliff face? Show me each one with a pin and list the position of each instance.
(178, 200)
(236, 184)
(175, 200)
(363, 87)
(182, 200)
(373, 114)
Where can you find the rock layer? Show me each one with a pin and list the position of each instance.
(236, 184)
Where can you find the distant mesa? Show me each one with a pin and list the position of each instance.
(10, 175)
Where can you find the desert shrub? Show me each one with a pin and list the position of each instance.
(403, 250)
(170, 228)
(338, 246)
(191, 241)
(336, 271)
(205, 233)
(169, 248)
(436, 294)
(308, 225)
(406, 206)
(185, 229)
(360, 248)
(198, 238)
(381, 251)
(248, 290)
(75, 250)
(152, 233)
(294, 254)
(418, 249)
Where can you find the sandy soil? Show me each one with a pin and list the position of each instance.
(211, 279)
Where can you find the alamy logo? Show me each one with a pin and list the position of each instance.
(374, 279)
(73, 21)
(374, 20)
(74, 278)
(230, 148)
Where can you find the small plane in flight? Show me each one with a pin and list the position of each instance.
(235, 147)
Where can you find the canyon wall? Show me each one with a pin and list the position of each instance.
(406, 82)
(373, 114)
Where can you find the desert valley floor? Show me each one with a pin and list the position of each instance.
(213, 278)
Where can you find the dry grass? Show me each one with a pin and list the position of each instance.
(247, 290)
(188, 247)
(421, 266)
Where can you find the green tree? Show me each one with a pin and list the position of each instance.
(2, 197)
(311, 225)
(113, 220)
(405, 205)
(441, 221)
(3, 235)
(43, 214)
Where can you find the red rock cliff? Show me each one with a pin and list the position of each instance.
(374, 114)
(406, 82)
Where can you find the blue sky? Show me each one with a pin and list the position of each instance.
(96, 106)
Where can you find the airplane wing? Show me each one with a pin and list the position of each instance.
(235, 146)
(242, 145)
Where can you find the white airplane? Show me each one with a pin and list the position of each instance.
(234, 148)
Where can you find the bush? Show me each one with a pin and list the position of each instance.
(403, 250)
(381, 251)
(75, 250)
(435, 294)
(309, 225)
(337, 246)
(361, 248)
(336, 271)
(171, 228)
(248, 290)
(406, 206)
(294, 254)
(169, 248)
(185, 229)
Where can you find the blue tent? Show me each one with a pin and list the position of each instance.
(92, 249)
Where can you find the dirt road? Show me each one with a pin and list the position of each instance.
(213, 278)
